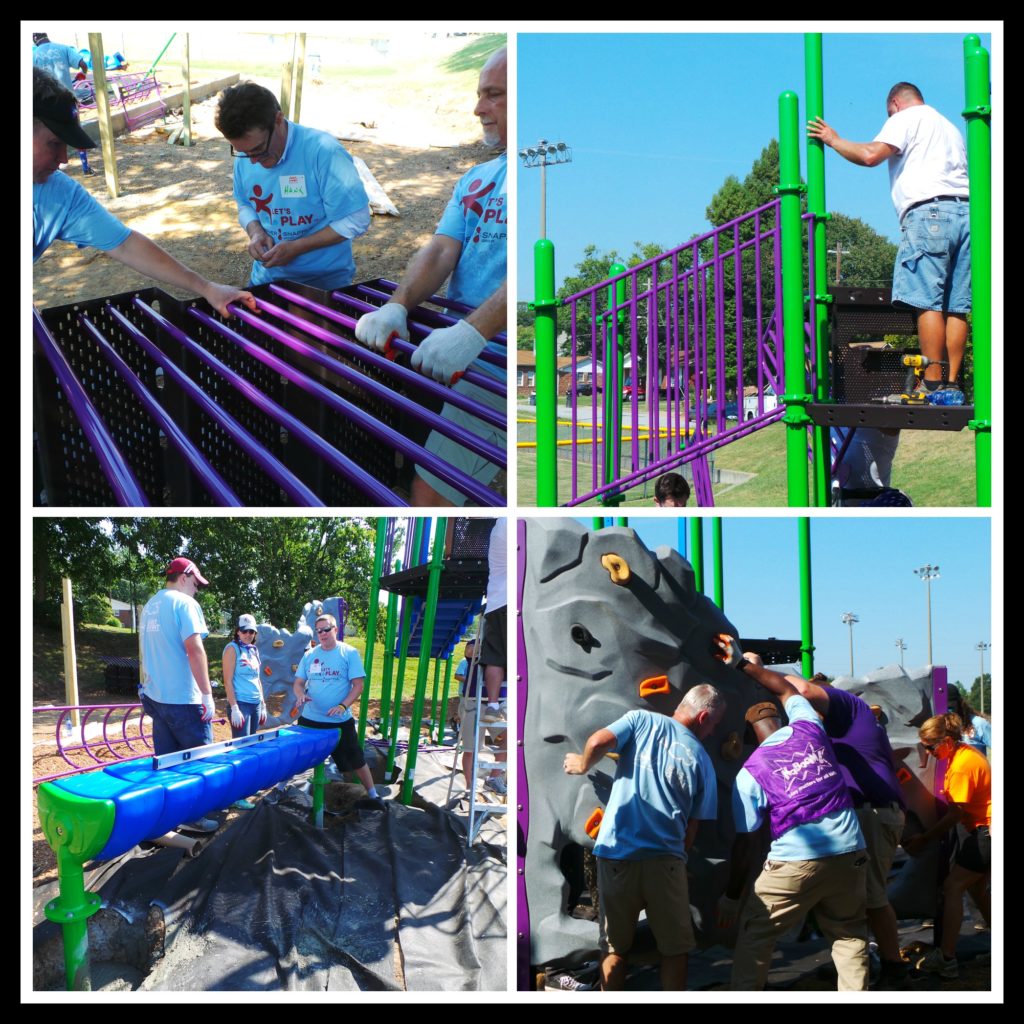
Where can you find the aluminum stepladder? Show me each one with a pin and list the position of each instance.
(479, 810)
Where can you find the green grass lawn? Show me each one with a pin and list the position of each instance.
(936, 468)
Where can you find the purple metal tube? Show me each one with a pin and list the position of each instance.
(720, 392)
(738, 289)
(464, 437)
(634, 362)
(127, 490)
(594, 431)
(387, 435)
(274, 468)
(573, 362)
(407, 376)
(342, 463)
(697, 450)
(812, 320)
(522, 785)
(214, 483)
(440, 300)
(702, 482)
(416, 329)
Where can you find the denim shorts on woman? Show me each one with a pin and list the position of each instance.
(933, 263)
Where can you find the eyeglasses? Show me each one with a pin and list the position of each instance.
(255, 154)
(327, 630)
(932, 747)
(247, 631)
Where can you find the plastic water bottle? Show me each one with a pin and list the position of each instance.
(67, 729)
(947, 396)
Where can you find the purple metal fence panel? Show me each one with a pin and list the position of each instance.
(699, 328)
(522, 790)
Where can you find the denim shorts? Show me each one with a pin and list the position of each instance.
(177, 726)
(933, 262)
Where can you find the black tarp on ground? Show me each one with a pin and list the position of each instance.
(376, 901)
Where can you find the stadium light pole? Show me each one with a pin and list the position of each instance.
(849, 618)
(541, 155)
(902, 647)
(981, 648)
(929, 573)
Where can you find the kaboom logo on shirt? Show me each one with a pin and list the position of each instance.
(804, 769)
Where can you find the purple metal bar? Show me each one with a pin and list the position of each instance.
(634, 375)
(127, 490)
(274, 468)
(342, 463)
(522, 786)
(572, 396)
(595, 433)
(438, 300)
(417, 330)
(702, 482)
(86, 746)
(350, 373)
(388, 435)
(695, 450)
(214, 483)
(407, 376)
(738, 290)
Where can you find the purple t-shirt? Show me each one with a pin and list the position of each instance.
(799, 778)
(863, 750)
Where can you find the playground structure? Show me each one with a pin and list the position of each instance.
(143, 400)
(690, 318)
(99, 815)
(608, 626)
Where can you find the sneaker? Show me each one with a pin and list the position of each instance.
(201, 825)
(936, 963)
(496, 784)
(563, 981)
(370, 803)
(493, 715)
(243, 805)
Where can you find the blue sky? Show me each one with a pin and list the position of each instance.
(657, 122)
(865, 566)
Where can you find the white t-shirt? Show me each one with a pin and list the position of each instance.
(932, 158)
(497, 596)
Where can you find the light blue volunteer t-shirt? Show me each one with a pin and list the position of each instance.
(663, 779)
(62, 209)
(477, 217)
(57, 61)
(168, 620)
(314, 184)
(329, 676)
(838, 832)
(246, 680)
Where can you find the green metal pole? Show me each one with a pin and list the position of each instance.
(545, 307)
(434, 696)
(796, 397)
(389, 658)
(613, 388)
(806, 617)
(371, 624)
(697, 554)
(429, 617)
(316, 815)
(444, 702)
(819, 301)
(597, 522)
(716, 561)
(159, 55)
(978, 112)
(622, 520)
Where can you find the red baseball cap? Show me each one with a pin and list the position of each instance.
(188, 567)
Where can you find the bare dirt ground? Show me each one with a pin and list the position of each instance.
(418, 144)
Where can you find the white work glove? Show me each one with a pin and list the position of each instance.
(237, 718)
(208, 709)
(445, 354)
(375, 329)
(263, 713)
(727, 650)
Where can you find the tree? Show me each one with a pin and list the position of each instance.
(78, 548)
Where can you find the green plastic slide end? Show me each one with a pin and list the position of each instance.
(75, 825)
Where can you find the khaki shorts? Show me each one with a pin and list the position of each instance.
(467, 724)
(883, 829)
(659, 885)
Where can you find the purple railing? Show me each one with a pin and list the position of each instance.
(116, 739)
(689, 319)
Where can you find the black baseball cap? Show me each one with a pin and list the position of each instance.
(62, 119)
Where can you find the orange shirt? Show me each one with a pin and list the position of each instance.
(969, 783)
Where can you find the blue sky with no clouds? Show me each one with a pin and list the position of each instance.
(656, 123)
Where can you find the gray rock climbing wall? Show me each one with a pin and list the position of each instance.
(591, 643)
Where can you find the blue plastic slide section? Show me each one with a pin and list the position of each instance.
(454, 616)
(149, 803)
